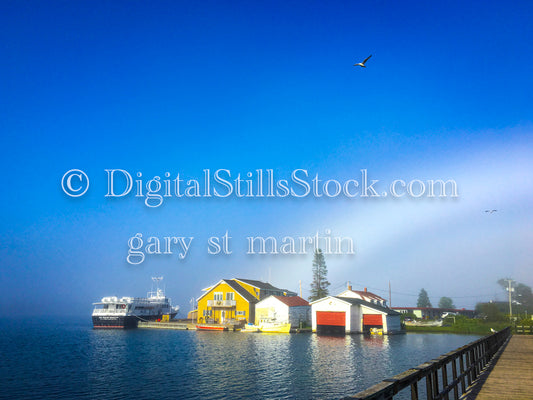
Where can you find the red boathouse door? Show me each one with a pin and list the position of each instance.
(372, 321)
(331, 322)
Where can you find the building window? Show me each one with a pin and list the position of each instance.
(230, 296)
(218, 296)
(243, 313)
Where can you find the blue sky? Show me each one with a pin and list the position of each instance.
(181, 87)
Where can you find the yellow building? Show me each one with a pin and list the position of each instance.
(234, 300)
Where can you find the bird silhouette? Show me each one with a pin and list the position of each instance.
(490, 211)
(362, 64)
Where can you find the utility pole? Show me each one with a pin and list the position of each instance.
(510, 290)
(390, 299)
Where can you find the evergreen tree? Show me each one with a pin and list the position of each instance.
(319, 286)
(446, 302)
(423, 299)
(491, 311)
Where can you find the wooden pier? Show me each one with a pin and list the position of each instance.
(448, 377)
(511, 375)
(167, 325)
(187, 325)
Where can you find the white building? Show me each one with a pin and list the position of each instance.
(340, 315)
(283, 309)
(364, 295)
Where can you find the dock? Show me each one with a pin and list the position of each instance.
(175, 325)
(453, 375)
(187, 325)
(510, 376)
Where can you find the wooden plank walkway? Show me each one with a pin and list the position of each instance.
(166, 325)
(512, 375)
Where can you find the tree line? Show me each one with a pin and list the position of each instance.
(520, 294)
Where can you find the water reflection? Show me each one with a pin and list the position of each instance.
(245, 365)
(347, 361)
(76, 362)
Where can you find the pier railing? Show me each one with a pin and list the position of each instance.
(446, 377)
(524, 330)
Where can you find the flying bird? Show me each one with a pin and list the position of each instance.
(362, 64)
(490, 211)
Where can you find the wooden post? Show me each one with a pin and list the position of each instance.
(414, 391)
(462, 369)
(445, 379)
(429, 386)
(472, 366)
(468, 364)
(436, 381)
(454, 377)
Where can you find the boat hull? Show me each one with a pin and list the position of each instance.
(124, 321)
(275, 328)
(205, 327)
(115, 322)
(251, 329)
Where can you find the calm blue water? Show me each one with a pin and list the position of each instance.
(67, 359)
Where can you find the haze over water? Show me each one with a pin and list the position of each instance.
(58, 359)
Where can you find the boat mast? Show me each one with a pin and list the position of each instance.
(156, 279)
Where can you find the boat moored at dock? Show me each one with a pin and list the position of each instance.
(250, 328)
(268, 326)
(125, 312)
(211, 327)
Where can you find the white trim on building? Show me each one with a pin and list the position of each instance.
(358, 316)
(289, 309)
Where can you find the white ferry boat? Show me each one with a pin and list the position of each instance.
(126, 312)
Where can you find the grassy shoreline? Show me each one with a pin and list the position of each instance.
(473, 327)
